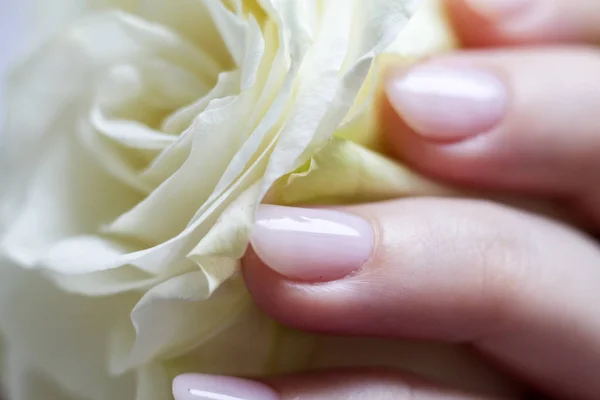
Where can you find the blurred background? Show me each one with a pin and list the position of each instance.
(10, 22)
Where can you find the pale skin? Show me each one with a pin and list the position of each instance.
(522, 289)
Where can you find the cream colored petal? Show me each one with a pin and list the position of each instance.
(98, 266)
(325, 100)
(153, 383)
(123, 166)
(269, 114)
(218, 242)
(177, 315)
(43, 19)
(101, 266)
(275, 69)
(118, 37)
(48, 84)
(173, 156)
(180, 196)
(114, 37)
(243, 346)
(60, 336)
(230, 26)
(149, 88)
(40, 102)
(296, 21)
(428, 32)
(228, 84)
(159, 260)
(109, 282)
(78, 255)
(24, 382)
(130, 134)
(174, 295)
(192, 20)
(344, 172)
(372, 21)
(217, 269)
(225, 237)
(293, 41)
(208, 211)
(168, 209)
(69, 195)
(255, 56)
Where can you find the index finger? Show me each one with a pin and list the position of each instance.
(521, 289)
(523, 22)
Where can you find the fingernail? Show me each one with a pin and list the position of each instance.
(207, 387)
(311, 244)
(447, 103)
(499, 8)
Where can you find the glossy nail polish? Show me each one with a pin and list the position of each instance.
(208, 387)
(447, 103)
(312, 244)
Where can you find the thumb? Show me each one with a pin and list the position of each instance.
(337, 385)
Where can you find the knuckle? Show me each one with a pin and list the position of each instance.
(492, 249)
(505, 264)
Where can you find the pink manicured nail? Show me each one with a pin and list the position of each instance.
(207, 387)
(442, 102)
(311, 244)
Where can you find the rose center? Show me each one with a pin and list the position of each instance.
(161, 81)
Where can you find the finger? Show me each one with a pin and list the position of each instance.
(338, 385)
(517, 120)
(520, 288)
(502, 22)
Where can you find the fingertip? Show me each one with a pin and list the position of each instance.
(438, 117)
(472, 29)
(264, 283)
(310, 306)
(311, 244)
(484, 23)
(284, 300)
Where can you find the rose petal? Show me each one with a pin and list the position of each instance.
(321, 106)
(59, 336)
(345, 172)
(70, 195)
(428, 32)
(174, 316)
(190, 19)
(180, 196)
(245, 345)
(153, 383)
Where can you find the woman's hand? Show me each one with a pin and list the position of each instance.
(518, 112)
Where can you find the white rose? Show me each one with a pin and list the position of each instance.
(141, 137)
